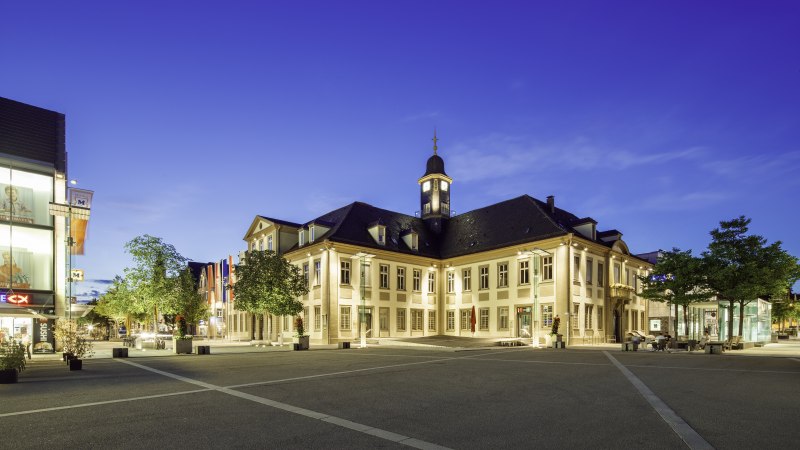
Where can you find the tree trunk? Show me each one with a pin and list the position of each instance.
(730, 319)
(261, 327)
(741, 317)
(252, 327)
(686, 321)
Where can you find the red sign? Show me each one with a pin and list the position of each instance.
(17, 299)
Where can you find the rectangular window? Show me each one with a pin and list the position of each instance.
(466, 278)
(502, 318)
(589, 267)
(547, 316)
(305, 318)
(431, 320)
(401, 278)
(401, 319)
(417, 279)
(484, 319)
(344, 318)
(260, 245)
(384, 276)
(617, 273)
(451, 320)
(312, 233)
(431, 282)
(547, 268)
(466, 316)
(576, 270)
(641, 319)
(305, 273)
(416, 320)
(365, 274)
(414, 241)
(317, 272)
(302, 237)
(344, 277)
(599, 317)
(383, 319)
(524, 272)
(576, 308)
(483, 279)
(286, 323)
(317, 319)
(588, 317)
(427, 208)
(381, 235)
(502, 274)
(269, 243)
(28, 259)
(601, 274)
(451, 282)
(27, 198)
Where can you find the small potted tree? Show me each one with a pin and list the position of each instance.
(181, 340)
(74, 346)
(12, 361)
(302, 338)
(81, 348)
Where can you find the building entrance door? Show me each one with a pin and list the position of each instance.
(368, 321)
(524, 329)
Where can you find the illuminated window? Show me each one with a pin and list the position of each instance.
(384, 272)
(524, 272)
(483, 280)
(302, 237)
(502, 318)
(466, 316)
(484, 319)
(317, 270)
(451, 320)
(345, 272)
(451, 282)
(401, 320)
(317, 319)
(431, 282)
(269, 243)
(365, 274)
(547, 268)
(417, 279)
(466, 279)
(344, 318)
(416, 320)
(502, 275)
(444, 185)
(305, 273)
(547, 316)
(431, 320)
(588, 317)
(401, 278)
(426, 186)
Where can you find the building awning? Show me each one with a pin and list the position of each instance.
(7, 310)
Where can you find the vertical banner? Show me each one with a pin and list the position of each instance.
(210, 283)
(43, 339)
(225, 279)
(231, 279)
(80, 198)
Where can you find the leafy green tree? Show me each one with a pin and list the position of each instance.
(116, 303)
(741, 267)
(678, 280)
(189, 304)
(153, 278)
(787, 308)
(268, 283)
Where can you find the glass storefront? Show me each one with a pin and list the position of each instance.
(714, 318)
(25, 197)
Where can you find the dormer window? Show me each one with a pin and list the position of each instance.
(378, 232)
(311, 233)
(444, 185)
(426, 186)
(302, 238)
(414, 241)
(382, 235)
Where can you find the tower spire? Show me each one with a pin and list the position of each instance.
(435, 140)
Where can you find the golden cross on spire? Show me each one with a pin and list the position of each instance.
(435, 140)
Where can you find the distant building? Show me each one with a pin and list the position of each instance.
(33, 269)
(510, 268)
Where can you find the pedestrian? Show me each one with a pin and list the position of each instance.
(636, 342)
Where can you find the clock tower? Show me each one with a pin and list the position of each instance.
(434, 195)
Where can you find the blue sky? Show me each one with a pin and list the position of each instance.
(188, 118)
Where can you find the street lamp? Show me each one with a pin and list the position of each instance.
(537, 254)
(362, 317)
(73, 209)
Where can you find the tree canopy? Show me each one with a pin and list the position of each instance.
(677, 279)
(268, 283)
(741, 267)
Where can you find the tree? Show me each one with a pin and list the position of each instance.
(787, 308)
(741, 268)
(153, 278)
(189, 304)
(116, 303)
(678, 280)
(268, 283)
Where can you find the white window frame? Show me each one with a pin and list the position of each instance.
(466, 280)
(451, 282)
(502, 275)
(401, 278)
(344, 318)
(384, 276)
(524, 272)
(483, 278)
(547, 268)
(344, 272)
(417, 280)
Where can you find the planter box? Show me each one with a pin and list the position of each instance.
(119, 352)
(203, 349)
(182, 346)
(301, 343)
(75, 364)
(8, 376)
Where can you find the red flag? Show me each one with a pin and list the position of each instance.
(472, 319)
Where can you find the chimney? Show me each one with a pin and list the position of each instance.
(551, 203)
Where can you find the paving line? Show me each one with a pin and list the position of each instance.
(107, 402)
(714, 370)
(344, 423)
(689, 436)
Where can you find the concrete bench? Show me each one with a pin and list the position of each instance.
(119, 352)
(715, 348)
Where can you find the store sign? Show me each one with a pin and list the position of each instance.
(77, 274)
(43, 338)
(15, 299)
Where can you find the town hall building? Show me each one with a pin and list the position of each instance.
(507, 270)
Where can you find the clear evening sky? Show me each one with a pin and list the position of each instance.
(189, 118)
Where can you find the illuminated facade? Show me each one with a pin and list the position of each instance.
(436, 273)
(32, 241)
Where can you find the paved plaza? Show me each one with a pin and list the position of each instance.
(393, 395)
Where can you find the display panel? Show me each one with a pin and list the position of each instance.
(26, 258)
(25, 197)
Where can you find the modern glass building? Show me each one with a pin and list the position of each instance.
(33, 255)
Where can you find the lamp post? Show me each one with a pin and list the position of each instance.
(77, 208)
(362, 317)
(537, 254)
